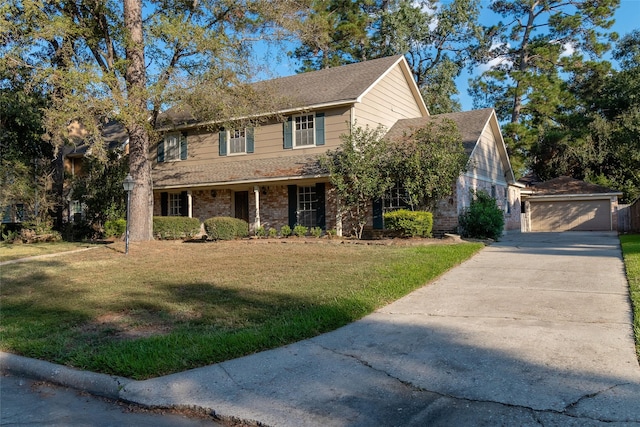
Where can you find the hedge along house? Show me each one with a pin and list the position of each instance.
(269, 174)
(488, 169)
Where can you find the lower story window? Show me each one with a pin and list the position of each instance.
(76, 210)
(175, 204)
(307, 206)
(394, 199)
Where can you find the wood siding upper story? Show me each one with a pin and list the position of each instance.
(203, 143)
(485, 161)
(387, 102)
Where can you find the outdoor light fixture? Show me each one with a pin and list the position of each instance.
(128, 185)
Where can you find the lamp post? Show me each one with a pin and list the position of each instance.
(128, 185)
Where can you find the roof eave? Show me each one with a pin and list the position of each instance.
(340, 103)
(573, 196)
(240, 182)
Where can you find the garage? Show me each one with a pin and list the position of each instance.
(570, 215)
(568, 204)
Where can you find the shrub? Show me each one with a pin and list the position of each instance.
(175, 227)
(260, 232)
(483, 219)
(409, 223)
(115, 228)
(285, 231)
(273, 233)
(300, 230)
(316, 232)
(226, 228)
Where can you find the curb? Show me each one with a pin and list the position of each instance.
(91, 382)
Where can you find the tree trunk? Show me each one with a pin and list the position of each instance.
(141, 220)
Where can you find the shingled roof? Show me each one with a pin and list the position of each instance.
(181, 174)
(568, 185)
(114, 136)
(470, 125)
(305, 91)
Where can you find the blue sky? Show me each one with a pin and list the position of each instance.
(627, 18)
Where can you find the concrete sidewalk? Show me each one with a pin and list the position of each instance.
(535, 329)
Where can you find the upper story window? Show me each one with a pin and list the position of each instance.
(305, 130)
(172, 148)
(236, 141)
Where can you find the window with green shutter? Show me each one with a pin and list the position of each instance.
(305, 130)
(172, 148)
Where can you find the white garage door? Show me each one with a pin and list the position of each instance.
(575, 215)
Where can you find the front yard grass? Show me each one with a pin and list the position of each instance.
(11, 251)
(631, 252)
(170, 306)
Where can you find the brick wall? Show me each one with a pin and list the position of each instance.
(274, 205)
(448, 209)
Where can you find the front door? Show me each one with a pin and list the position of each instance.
(242, 205)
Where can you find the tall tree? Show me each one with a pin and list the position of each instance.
(26, 169)
(334, 33)
(597, 137)
(439, 40)
(534, 43)
(110, 60)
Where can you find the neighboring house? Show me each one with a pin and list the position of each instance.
(73, 157)
(269, 174)
(568, 204)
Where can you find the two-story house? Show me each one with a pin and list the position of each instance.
(269, 174)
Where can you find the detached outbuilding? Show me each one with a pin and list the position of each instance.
(568, 204)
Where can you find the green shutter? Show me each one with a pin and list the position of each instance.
(288, 133)
(250, 140)
(184, 204)
(164, 203)
(378, 219)
(183, 146)
(321, 219)
(319, 125)
(161, 151)
(293, 205)
(222, 140)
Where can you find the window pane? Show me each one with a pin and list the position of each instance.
(175, 204)
(304, 134)
(307, 206)
(172, 147)
(237, 141)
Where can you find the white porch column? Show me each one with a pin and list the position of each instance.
(189, 204)
(256, 193)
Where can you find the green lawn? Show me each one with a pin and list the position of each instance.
(631, 252)
(11, 251)
(171, 306)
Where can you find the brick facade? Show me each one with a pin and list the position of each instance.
(447, 211)
(274, 205)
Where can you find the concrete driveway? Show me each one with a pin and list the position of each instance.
(533, 330)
